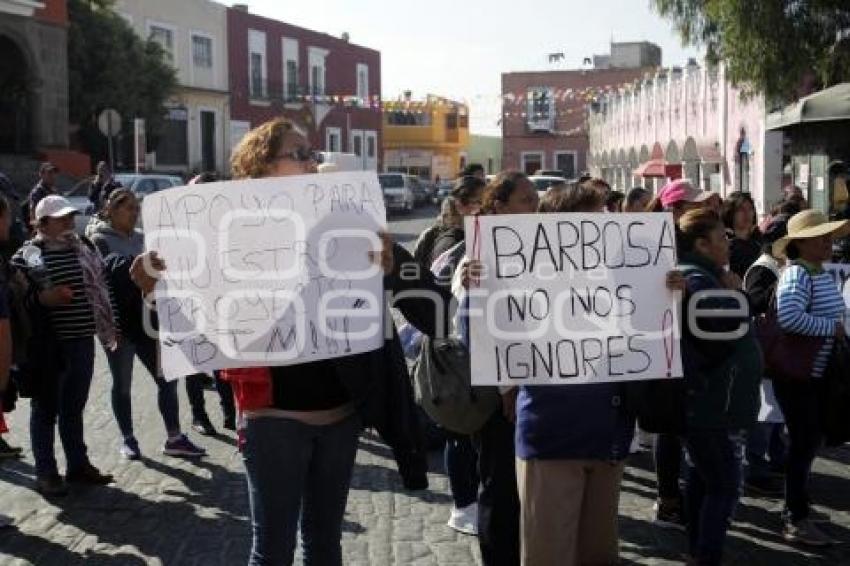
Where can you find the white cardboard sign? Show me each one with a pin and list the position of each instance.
(267, 272)
(573, 298)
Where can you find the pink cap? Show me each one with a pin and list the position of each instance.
(681, 190)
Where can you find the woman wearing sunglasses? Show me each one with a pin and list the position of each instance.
(302, 421)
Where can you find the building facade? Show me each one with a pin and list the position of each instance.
(329, 85)
(427, 138)
(33, 75)
(486, 150)
(193, 34)
(545, 113)
(696, 123)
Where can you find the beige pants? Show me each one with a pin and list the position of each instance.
(569, 511)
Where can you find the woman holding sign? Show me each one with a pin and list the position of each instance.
(302, 422)
(722, 368)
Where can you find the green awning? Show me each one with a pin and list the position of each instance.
(827, 105)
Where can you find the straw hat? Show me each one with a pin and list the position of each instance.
(809, 224)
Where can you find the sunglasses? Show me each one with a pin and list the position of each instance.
(302, 154)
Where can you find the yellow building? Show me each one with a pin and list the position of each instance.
(427, 138)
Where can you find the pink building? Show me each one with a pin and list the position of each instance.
(694, 122)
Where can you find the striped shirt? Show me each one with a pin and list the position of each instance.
(810, 305)
(74, 320)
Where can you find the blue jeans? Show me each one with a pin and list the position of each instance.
(63, 401)
(461, 462)
(297, 471)
(713, 488)
(121, 367)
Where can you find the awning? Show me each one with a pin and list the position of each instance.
(828, 105)
(659, 168)
(652, 168)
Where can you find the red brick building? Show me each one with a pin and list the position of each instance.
(544, 119)
(329, 85)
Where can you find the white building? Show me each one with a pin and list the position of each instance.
(194, 35)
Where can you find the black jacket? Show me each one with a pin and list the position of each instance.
(379, 382)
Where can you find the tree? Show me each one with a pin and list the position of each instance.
(109, 66)
(769, 47)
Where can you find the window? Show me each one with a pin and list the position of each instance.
(532, 162)
(358, 146)
(565, 162)
(400, 118)
(541, 111)
(291, 79)
(370, 147)
(165, 38)
(332, 139)
(257, 64)
(451, 121)
(363, 82)
(202, 54)
(316, 59)
(257, 90)
(290, 68)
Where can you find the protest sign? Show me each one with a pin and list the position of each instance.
(573, 298)
(267, 272)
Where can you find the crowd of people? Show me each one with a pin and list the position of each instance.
(539, 483)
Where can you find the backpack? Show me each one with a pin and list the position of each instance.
(442, 385)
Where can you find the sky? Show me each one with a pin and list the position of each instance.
(459, 49)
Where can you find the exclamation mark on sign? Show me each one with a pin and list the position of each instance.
(669, 339)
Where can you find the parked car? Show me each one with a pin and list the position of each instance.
(421, 194)
(444, 189)
(548, 173)
(398, 191)
(542, 182)
(78, 196)
(144, 184)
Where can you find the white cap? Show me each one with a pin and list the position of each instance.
(54, 206)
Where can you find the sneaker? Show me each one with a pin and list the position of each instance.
(130, 449)
(182, 446)
(465, 520)
(806, 533)
(668, 514)
(9, 452)
(51, 485)
(88, 475)
(204, 426)
(765, 486)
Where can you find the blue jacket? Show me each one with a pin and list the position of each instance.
(573, 422)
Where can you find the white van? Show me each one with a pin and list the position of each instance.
(342, 161)
(398, 191)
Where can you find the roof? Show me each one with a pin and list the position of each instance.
(828, 105)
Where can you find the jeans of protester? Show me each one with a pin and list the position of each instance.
(461, 462)
(195, 393)
(121, 366)
(298, 472)
(498, 500)
(800, 403)
(668, 466)
(765, 450)
(63, 402)
(715, 458)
